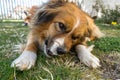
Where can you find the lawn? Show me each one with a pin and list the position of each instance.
(66, 67)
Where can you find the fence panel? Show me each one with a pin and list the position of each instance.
(14, 9)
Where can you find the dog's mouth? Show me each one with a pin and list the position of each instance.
(47, 50)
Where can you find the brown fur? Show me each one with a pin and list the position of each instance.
(30, 14)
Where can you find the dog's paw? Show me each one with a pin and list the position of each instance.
(87, 57)
(90, 48)
(90, 60)
(25, 61)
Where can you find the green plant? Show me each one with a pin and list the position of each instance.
(107, 44)
(111, 15)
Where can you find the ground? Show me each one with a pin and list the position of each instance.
(66, 67)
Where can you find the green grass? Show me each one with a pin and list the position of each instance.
(65, 67)
(107, 44)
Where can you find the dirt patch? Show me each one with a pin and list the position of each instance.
(111, 66)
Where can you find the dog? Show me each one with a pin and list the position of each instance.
(29, 14)
(56, 28)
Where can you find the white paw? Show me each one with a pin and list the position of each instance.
(90, 48)
(87, 57)
(25, 61)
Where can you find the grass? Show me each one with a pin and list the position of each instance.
(66, 67)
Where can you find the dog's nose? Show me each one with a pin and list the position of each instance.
(60, 50)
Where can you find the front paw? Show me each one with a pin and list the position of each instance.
(90, 60)
(87, 57)
(25, 61)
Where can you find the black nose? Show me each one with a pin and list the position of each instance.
(60, 50)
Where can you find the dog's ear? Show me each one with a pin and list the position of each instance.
(93, 30)
(43, 16)
(47, 12)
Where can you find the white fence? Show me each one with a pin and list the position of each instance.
(14, 9)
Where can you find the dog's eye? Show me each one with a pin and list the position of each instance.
(60, 27)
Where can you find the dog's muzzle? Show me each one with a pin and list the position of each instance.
(53, 48)
(46, 49)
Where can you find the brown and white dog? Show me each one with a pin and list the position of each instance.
(58, 27)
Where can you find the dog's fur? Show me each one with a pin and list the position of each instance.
(29, 14)
(58, 27)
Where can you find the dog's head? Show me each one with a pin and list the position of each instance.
(65, 26)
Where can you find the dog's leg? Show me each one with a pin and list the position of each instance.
(85, 55)
(28, 58)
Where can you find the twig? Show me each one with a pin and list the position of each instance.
(15, 73)
(48, 72)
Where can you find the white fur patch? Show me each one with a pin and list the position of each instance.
(53, 49)
(60, 41)
(76, 25)
(25, 61)
(87, 57)
(44, 49)
(57, 43)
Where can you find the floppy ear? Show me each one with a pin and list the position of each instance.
(93, 29)
(43, 16)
